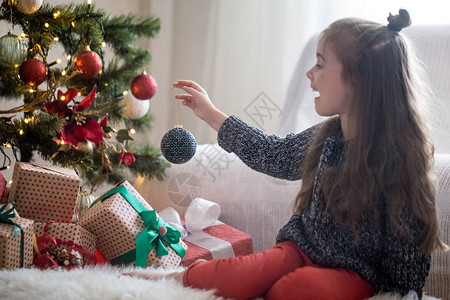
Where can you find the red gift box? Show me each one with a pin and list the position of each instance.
(117, 224)
(2, 186)
(65, 232)
(44, 193)
(241, 243)
(4, 197)
(206, 237)
(16, 239)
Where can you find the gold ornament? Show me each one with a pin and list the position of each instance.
(28, 6)
(86, 147)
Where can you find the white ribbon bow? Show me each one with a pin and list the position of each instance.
(199, 215)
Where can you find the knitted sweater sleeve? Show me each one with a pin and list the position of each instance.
(403, 264)
(280, 157)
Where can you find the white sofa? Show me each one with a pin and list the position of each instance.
(259, 204)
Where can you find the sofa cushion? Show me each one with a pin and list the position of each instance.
(438, 283)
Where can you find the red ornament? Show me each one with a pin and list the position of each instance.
(88, 63)
(32, 72)
(143, 87)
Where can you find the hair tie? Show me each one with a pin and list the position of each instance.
(400, 21)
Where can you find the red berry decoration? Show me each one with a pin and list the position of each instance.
(32, 72)
(88, 63)
(45, 243)
(143, 87)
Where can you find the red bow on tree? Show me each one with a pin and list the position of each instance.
(127, 157)
(78, 127)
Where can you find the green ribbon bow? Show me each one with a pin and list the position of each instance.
(149, 237)
(6, 216)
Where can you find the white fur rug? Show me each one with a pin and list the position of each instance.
(104, 282)
(97, 283)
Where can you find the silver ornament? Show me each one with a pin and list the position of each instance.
(84, 201)
(133, 108)
(13, 50)
(28, 6)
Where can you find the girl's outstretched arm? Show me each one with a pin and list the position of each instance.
(197, 99)
(270, 154)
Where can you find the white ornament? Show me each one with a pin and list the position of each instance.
(134, 109)
(28, 6)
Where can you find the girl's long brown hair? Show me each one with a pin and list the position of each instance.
(391, 155)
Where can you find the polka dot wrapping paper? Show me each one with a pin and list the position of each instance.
(44, 193)
(116, 224)
(10, 245)
(68, 232)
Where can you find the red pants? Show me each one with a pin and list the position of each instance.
(283, 272)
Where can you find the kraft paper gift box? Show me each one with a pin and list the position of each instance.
(65, 232)
(207, 237)
(129, 231)
(44, 193)
(16, 239)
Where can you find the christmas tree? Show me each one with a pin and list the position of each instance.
(74, 113)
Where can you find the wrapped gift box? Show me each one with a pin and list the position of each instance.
(66, 232)
(44, 193)
(241, 243)
(4, 197)
(117, 225)
(207, 237)
(13, 241)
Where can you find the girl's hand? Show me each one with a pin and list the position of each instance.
(197, 99)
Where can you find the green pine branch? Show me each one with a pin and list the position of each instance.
(122, 31)
(148, 161)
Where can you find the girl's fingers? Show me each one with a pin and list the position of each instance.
(192, 91)
(184, 97)
(187, 89)
(189, 83)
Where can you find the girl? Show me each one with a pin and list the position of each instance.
(365, 218)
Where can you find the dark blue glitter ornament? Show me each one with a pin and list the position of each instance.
(178, 145)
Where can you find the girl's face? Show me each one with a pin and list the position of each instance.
(333, 93)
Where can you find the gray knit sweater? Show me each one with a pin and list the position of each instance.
(385, 258)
